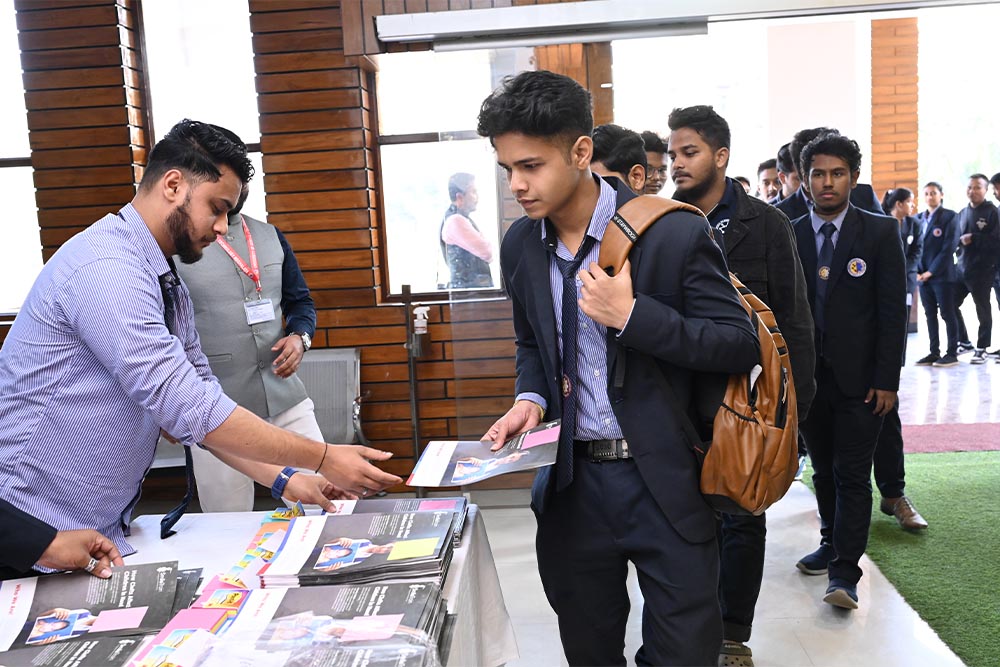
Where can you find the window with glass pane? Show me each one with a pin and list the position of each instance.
(199, 58)
(21, 250)
(441, 192)
(958, 101)
(415, 187)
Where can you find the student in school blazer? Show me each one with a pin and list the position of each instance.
(859, 350)
(940, 240)
(863, 338)
(687, 320)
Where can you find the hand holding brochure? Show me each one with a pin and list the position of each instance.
(455, 463)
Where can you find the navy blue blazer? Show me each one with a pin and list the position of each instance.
(940, 241)
(862, 196)
(687, 323)
(911, 234)
(865, 309)
(25, 539)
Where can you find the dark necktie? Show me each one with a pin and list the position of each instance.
(823, 263)
(169, 283)
(567, 430)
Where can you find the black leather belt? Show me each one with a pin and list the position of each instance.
(605, 450)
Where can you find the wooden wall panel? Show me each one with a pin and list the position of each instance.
(86, 112)
(894, 104)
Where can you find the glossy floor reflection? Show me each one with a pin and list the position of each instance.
(793, 627)
(963, 394)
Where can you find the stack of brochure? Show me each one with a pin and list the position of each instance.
(362, 548)
(457, 504)
(44, 611)
(94, 652)
(374, 624)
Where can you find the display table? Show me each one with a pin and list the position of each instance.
(483, 634)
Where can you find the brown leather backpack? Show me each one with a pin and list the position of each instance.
(752, 457)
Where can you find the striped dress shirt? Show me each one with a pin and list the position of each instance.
(595, 419)
(89, 374)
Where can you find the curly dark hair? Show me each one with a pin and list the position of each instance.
(704, 120)
(538, 104)
(198, 149)
(831, 143)
(799, 141)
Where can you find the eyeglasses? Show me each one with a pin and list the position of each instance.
(659, 171)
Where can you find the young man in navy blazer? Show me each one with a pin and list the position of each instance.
(625, 484)
(858, 293)
(937, 275)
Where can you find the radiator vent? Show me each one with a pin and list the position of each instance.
(333, 380)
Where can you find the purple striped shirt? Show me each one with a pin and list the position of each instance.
(89, 374)
(594, 418)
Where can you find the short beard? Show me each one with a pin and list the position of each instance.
(829, 210)
(693, 193)
(179, 228)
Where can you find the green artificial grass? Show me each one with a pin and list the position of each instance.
(950, 573)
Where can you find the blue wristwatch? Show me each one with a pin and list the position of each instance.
(281, 481)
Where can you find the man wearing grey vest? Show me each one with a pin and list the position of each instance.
(255, 319)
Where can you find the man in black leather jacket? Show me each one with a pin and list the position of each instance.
(760, 249)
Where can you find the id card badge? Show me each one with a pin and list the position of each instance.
(259, 311)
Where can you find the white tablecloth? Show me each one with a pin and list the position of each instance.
(483, 634)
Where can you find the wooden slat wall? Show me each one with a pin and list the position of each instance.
(317, 137)
(587, 64)
(86, 122)
(894, 104)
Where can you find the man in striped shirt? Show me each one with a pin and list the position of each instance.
(104, 355)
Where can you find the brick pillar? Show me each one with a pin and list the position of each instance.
(894, 113)
(894, 104)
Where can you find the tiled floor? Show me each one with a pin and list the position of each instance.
(793, 627)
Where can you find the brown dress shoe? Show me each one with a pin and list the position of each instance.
(904, 511)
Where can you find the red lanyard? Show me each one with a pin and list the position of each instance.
(252, 271)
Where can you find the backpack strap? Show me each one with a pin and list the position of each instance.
(626, 226)
(629, 222)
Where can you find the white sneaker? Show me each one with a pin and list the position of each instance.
(978, 357)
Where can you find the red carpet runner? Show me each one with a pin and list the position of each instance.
(951, 438)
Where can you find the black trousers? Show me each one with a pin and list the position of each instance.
(741, 557)
(979, 288)
(841, 432)
(586, 537)
(939, 297)
(890, 472)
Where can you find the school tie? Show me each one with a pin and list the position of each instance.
(823, 263)
(567, 430)
(168, 283)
